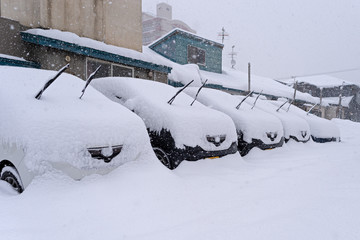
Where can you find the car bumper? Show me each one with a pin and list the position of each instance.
(325, 140)
(296, 139)
(244, 147)
(196, 153)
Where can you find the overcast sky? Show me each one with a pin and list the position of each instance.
(280, 38)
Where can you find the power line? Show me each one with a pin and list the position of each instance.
(323, 73)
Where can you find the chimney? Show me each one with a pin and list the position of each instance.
(164, 10)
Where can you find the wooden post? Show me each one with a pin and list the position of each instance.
(320, 105)
(339, 109)
(249, 79)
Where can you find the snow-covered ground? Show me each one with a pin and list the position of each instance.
(300, 191)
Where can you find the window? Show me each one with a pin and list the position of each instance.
(121, 71)
(107, 69)
(104, 71)
(196, 55)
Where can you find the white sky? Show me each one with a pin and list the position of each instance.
(280, 38)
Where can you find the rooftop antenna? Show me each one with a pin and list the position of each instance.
(233, 54)
(223, 34)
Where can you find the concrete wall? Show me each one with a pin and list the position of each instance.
(113, 22)
(11, 43)
(156, 27)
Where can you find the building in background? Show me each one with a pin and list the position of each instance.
(157, 26)
(113, 22)
(187, 48)
(51, 33)
(338, 98)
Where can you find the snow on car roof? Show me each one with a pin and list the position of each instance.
(320, 127)
(293, 125)
(188, 125)
(61, 123)
(254, 123)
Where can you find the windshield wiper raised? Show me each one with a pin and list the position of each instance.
(282, 105)
(198, 92)
(91, 77)
(177, 93)
(257, 99)
(238, 106)
(311, 108)
(48, 83)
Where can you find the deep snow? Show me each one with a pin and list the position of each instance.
(300, 191)
(188, 125)
(60, 127)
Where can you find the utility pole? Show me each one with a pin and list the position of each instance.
(294, 97)
(339, 109)
(295, 88)
(249, 74)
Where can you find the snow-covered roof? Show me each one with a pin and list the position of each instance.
(345, 101)
(71, 42)
(320, 81)
(9, 60)
(60, 126)
(186, 33)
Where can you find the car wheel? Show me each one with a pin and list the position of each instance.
(163, 157)
(10, 175)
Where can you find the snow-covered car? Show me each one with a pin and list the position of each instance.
(322, 130)
(57, 130)
(255, 128)
(178, 130)
(295, 127)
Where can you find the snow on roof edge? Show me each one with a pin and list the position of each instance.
(150, 45)
(97, 45)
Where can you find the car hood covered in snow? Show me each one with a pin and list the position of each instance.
(188, 125)
(60, 127)
(253, 123)
(319, 127)
(294, 126)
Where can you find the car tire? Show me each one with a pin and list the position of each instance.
(245, 150)
(163, 157)
(11, 176)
